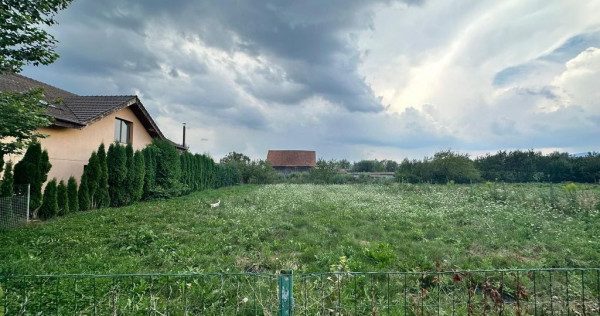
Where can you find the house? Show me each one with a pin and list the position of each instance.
(82, 123)
(287, 161)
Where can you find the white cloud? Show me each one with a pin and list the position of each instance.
(579, 82)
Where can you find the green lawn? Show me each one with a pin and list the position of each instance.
(309, 227)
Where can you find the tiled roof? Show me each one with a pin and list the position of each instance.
(292, 158)
(78, 111)
(18, 83)
(88, 108)
(67, 106)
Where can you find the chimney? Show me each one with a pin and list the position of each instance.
(183, 135)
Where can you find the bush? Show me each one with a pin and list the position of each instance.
(33, 170)
(168, 170)
(138, 173)
(102, 198)
(62, 198)
(73, 199)
(261, 172)
(7, 186)
(84, 194)
(129, 178)
(49, 207)
(116, 160)
(92, 171)
(150, 171)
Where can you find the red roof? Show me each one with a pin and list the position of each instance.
(292, 158)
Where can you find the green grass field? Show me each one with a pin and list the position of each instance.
(308, 228)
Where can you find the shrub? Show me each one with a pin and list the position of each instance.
(168, 170)
(129, 177)
(33, 170)
(7, 186)
(84, 194)
(49, 207)
(101, 197)
(62, 198)
(116, 160)
(139, 171)
(73, 199)
(92, 171)
(262, 172)
(150, 170)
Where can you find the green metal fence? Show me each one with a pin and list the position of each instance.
(140, 294)
(483, 292)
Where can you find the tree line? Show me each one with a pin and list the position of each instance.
(507, 166)
(115, 177)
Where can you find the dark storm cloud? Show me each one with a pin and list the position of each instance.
(311, 41)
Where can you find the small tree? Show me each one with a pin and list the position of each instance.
(92, 171)
(324, 171)
(117, 173)
(7, 186)
(241, 162)
(84, 194)
(139, 171)
(72, 195)
(62, 198)
(33, 170)
(168, 170)
(129, 188)
(102, 198)
(45, 166)
(49, 207)
(150, 174)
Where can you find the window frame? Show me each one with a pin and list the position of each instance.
(129, 136)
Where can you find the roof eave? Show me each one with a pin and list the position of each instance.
(140, 112)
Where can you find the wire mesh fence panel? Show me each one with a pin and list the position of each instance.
(494, 292)
(201, 294)
(14, 209)
(490, 292)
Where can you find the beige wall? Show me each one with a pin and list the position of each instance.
(69, 149)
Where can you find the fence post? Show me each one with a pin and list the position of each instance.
(286, 293)
(28, 197)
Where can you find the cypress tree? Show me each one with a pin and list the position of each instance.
(29, 171)
(117, 172)
(62, 198)
(168, 169)
(72, 195)
(7, 186)
(139, 171)
(150, 174)
(190, 170)
(92, 172)
(83, 194)
(130, 176)
(49, 207)
(101, 197)
(183, 165)
(44, 166)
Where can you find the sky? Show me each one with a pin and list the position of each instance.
(353, 79)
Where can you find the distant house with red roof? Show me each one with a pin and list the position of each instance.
(287, 161)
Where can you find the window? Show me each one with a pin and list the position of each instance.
(122, 131)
